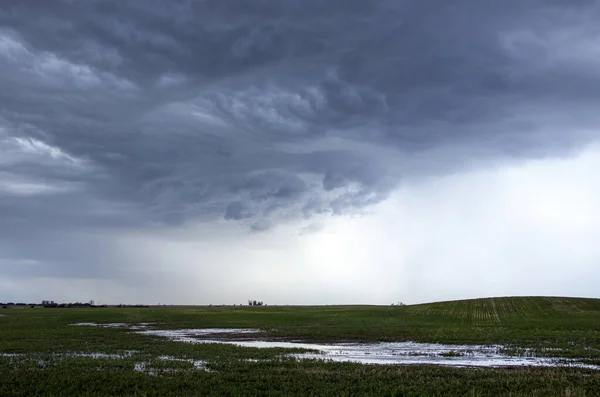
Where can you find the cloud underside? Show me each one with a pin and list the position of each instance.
(129, 113)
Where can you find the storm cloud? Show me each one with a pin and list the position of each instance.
(130, 116)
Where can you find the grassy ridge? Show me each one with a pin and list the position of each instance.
(570, 325)
(499, 311)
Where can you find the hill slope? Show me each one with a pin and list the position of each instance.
(508, 310)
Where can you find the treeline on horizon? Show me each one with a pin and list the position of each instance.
(64, 305)
(52, 304)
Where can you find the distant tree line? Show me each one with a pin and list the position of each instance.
(255, 303)
(77, 304)
(6, 305)
(52, 304)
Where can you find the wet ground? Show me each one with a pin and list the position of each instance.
(142, 366)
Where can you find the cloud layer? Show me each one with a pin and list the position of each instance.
(135, 115)
(273, 109)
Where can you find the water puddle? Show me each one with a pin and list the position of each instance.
(433, 354)
(147, 368)
(99, 355)
(114, 325)
(10, 355)
(204, 335)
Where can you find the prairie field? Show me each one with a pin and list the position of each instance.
(43, 353)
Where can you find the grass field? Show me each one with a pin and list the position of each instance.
(35, 345)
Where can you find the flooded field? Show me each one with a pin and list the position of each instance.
(487, 347)
(388, 353)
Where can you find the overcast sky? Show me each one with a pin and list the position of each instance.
(298, 151)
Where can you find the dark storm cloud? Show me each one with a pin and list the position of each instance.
(160, 112)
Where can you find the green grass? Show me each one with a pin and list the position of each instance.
(570, 326)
